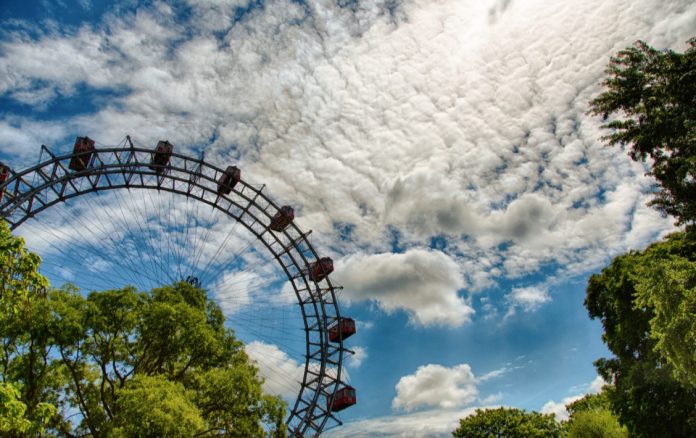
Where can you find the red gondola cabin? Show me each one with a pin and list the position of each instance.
(4, 174)
(161, 156)
(343, 329)
(320, 269)
(282, 219)
(228, 180)
(344, 398)
(83, 150)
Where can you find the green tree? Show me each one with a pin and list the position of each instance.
(12, 411)
(158, 364)
(153, 407)
(600, 423)
(507, 423)
(645, 395)
(121, 362)
(591, 417)
(667, 284)
(29, 385)
(19, 276)
(652, 95)
(589, 402)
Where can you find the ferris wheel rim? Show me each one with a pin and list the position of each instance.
(22, 201)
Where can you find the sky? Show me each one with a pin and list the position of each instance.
(440, 151)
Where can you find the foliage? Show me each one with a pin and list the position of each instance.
(591, 417)
(652, 93)
(28, 393)
(137, 360)
(599, 423)
(152, 407)
(12, 410)
(507, 423)
(121, 362)
(19, 277)
(645, 395)
(589, 402)
(667, 284)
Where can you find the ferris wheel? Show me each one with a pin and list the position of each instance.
(103, 218)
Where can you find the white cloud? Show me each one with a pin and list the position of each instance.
(234, 290)
(449, 118)
(424, 283)
(493, 374)
(356, 359)
(365, 325)
(528, 298)
(559, 408)
(283, 375)
(457, 120)
(436, 386)
(596, 385)
(430, 423)
(492, 398)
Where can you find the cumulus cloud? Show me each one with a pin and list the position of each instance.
(436, 386)
(424, 283)
(559, 408)
(455, 119)
(282, 374)
(451, 119)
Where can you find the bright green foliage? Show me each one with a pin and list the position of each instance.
(591, 417)
(13, 420)
(121, 362)
(599, 423)
(12, 410)
(153, 407)
(167, 352)
(652, 93)
(19, 277)
(507, 423)
(667, 284)
(29, 390)
(645, 396)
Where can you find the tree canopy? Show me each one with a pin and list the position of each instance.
(23, 409)
(507, 423)
(123, 362)
(592, 417)
(644, 319)
(651, 96)
(666, 283)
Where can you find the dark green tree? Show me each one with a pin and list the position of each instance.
(507, 423)
(651, 96)
(646, 396)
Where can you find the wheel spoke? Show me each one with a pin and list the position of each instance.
(152, 228)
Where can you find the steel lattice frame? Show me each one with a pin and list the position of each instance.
(35, 189)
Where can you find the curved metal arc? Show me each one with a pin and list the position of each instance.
(121, 168)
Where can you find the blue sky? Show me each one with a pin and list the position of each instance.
(440, 151)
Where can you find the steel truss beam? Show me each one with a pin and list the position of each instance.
(35, 189)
